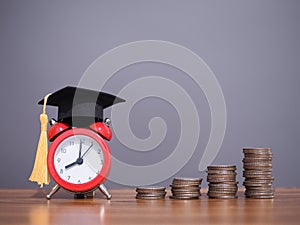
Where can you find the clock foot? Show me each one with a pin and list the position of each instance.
(54, 189)
(104, 191)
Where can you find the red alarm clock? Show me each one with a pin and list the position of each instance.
(79, 158)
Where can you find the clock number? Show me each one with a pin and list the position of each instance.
(102, 161)
(69, 177)
(63, 150)
(58, 160)
(99, 151)
(79, 182)
(98, 171)
(71, 143)
(61, 171)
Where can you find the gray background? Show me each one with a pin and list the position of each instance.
(251, 46)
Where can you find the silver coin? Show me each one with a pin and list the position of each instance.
(221, 172)
(258, 155)
(150, 198)
(261, 196)
(183, 197)
(150, 188)
(224, 197)
(254, 150)
(221, 167)
(150, 195)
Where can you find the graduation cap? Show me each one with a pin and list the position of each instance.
(80, 107)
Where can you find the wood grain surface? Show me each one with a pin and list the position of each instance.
(31, 207)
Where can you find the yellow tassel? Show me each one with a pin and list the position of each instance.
(40, 173)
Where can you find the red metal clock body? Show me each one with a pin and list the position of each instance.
(79, 160)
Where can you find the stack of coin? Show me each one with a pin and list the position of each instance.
(185, 188)
(258, 173)
(151, 192)
(222, 181)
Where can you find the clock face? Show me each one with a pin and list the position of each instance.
(78, 160)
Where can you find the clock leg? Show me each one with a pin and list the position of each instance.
(54, 189)
(104, 191)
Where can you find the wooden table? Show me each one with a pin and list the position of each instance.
(31, 207)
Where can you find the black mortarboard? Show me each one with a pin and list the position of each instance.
(80, 107)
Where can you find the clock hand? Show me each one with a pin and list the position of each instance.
(80, 149)
(87, 151)
(78, 161)
(71, 164)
